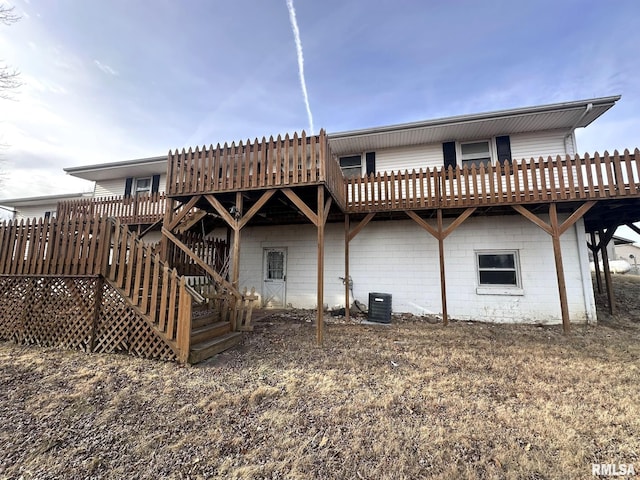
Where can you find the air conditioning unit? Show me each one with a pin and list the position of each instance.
(380, 307)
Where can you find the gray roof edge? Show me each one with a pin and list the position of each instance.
(124, 163)
(611, 100)
(43, 198)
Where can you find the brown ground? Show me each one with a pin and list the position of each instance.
(411, 400)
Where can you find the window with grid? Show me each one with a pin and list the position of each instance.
(498, 268)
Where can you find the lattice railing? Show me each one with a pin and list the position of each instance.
(151, 287)
(80, 313)
(93, 285)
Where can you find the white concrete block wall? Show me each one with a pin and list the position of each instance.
(400, 258)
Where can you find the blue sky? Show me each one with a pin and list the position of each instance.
(120, 79)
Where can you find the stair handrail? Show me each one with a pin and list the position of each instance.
(150, 286)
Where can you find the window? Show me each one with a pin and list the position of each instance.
(478, 153)
(351, 166)
(50, 214)
(498, 268)
(143, 185)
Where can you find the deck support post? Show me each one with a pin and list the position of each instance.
(168, 217)
(320, 225)
(443, 282)
(236, 243)
(557, 254)
(347, 300)
(604, 242)
(440, 233)
(555, 230)
(594, 247)
(348, 236)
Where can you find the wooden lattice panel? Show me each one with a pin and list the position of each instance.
(59, 312)
(121, 329)
(14, 292)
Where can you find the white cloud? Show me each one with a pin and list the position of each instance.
(105, 68)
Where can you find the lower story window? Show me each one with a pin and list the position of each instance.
(498, 268)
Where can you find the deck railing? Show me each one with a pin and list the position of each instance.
(520, 182)
(290, 161)
(132, 209)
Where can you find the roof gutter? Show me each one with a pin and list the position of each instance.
(587, 109)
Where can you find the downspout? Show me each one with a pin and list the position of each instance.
(587, 109)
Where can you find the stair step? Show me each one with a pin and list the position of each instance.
(207, 332)
(200, 320)
(204, 350)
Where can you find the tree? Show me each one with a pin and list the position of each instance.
(8, 76)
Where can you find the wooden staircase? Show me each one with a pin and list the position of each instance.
(209, 334)
(193, 325)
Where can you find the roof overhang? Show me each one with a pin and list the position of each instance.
(42, 200)
(129, 168)
(558, 116)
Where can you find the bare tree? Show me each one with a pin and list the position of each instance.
(8, 76)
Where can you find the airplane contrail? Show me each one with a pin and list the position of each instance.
(303, 83)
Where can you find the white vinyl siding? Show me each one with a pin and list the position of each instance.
(523, 145)
(109, 188)
(34, 211)
(538, 144)
(408, 158)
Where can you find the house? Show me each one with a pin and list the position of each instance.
(472, 217)
(41, 206)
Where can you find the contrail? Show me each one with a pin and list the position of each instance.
(303, 83)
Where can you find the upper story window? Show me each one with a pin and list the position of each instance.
(478, 153)
(142, 185)
(351, 166)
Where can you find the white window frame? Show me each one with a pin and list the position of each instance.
(356, 171)
(142, 191)
(492, 151)
(498, 288)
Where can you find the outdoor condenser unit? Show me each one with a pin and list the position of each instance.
(380, 307)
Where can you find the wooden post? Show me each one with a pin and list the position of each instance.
(607, 273)
(236, 244)
(183, 334)
(596, 263)
(321, 223)
(557, 253)
(235, 279)
(443, 283)
(347, 301)
(168, 217)
(97, 305)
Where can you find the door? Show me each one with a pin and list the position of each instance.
(274, 286)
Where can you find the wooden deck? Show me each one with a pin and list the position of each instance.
(143, 209)
(288, 162)
(522, 182)
(298, 161)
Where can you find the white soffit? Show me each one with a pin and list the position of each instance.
(564, 116)
(144, 167)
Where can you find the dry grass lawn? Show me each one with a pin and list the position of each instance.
(411, 400)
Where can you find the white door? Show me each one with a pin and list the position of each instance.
(274, 287)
